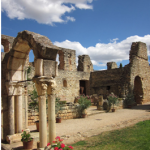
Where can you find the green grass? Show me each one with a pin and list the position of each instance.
(136, 137)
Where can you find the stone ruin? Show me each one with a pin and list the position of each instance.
(63, 80)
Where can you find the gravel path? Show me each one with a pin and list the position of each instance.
(74, 130)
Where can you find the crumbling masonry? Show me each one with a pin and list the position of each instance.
(64, 80)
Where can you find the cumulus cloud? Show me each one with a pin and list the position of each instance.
(2, 47)
(43, 11)
(102, 53)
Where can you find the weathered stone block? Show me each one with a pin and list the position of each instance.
(49, 68)
(38, 67)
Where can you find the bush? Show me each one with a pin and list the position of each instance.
(129, 99)
(84, 103)
(112, 99)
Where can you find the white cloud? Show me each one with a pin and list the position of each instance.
(2, 47)
(43, 11)
(102, 53)
(70, 18)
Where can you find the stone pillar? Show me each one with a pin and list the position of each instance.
(100, 103)
(11, 120)
(51, 111)
(11, 115)
(41, 89)
(26, 107)
(18, 113)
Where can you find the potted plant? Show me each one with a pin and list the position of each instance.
(84, 103)
(27, 140)
(112, 100)
(58, 145)
(58, 105)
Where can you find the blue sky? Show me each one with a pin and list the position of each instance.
(103, 29)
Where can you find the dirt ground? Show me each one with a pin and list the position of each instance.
(74, 130)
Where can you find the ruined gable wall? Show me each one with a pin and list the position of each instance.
(67, 58)
(72, 78)
(112, 80)
(140, 67)
(106, 81)
(84, 63)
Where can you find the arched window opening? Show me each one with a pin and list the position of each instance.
(57, 59)
(2, 48)
(64, 83)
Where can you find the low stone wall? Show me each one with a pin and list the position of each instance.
(70, 111)
(32, 117)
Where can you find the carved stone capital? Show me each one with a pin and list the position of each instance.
(44, 84)
(51, 87)
(14, 88)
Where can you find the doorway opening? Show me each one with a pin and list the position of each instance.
(138, 90)
(82, 87)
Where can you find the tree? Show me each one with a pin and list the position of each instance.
(120, 65)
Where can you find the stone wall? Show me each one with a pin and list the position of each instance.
(140, 69)
(106, 81)
(132, 78)
(68, 83)
(66, 112)
(84, 63)
(111, 65)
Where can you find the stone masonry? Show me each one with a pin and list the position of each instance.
(63, 80)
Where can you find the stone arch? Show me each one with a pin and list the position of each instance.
(7, 42)
(138, 90)
(13, 74)
(25, 41)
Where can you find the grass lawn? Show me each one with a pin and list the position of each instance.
(136, 137)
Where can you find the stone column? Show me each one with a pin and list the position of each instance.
(11, 119)
(26, 107)
(11, 115)
(41, 89)
(51, 110)
(18, 107)
(18, 113)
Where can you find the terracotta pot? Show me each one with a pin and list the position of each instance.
(129, 106)
(113, 110)
(37, 125)
(28, 145)
(58, 120)
(84, 115)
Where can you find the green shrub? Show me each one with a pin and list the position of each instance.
(28, 70)
(84, 103)
(112, 99)
(129, 99)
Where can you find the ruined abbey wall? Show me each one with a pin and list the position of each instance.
(133, 78)
(140, 72)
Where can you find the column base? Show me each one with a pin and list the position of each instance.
(38, 146)
(15, 138)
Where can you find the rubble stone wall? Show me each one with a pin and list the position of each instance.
(106, 81)
(72, 79)
(140, 68)
(66, 112)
